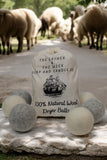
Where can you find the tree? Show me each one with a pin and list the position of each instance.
(86, 2)
(21, 3)
(6, 4)
(66, 6)
(40, 5)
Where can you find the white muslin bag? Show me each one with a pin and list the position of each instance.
(54, 82)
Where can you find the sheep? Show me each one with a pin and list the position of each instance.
(34, 25)
(36, 30)
(63, 28)
(13, 23)
(79, 31)
(50, 15)
(95, 21)
(78, 11)
(4, 42)
(23, 23)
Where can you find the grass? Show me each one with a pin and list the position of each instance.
(84, 43)
(16, 156)
(14, 42)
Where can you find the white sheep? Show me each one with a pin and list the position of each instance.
(50, 15)
(36, 30)
(33, 25)
(63, 29)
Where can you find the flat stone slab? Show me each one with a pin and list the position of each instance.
(51, 136)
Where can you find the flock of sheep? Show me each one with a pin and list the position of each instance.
(90, 22)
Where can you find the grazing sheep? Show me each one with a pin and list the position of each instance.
(63, 29)
(79, 31)
(50, 15)
(79, 10)
(13, 23)
(95, 21)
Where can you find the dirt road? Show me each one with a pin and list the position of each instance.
(15, 69)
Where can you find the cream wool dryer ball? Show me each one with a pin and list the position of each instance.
(24, 94)
(79, 121)
(96, 107)
(22, 117)
(10, 102)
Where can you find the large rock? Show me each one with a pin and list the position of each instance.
(51, 136)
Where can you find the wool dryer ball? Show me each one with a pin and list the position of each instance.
(84, 96)
(79, 121)
(10, 102)
(96, 107)
(22, 117)
(24, 94)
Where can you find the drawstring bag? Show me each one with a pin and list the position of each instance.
(54, 82)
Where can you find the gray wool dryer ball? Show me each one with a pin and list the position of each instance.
(79, 121)
(84, 96)
(10, 102)
(22, 117)
(96, 107)
(24, 94)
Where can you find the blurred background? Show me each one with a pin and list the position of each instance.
(38, 6)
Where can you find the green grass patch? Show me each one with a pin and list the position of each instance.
(16, 156)
(14, 42)
(84, 43)
(46, 37)
(0, 105)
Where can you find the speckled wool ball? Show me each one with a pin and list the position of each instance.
(79, 121)
(24, 94)
(10, 102)
(84, 96)
(96, 107)
(22, 117)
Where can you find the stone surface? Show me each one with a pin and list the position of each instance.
(51, 136)
(96, 107)
(22, 117)
(80, 121)
(24, 94)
